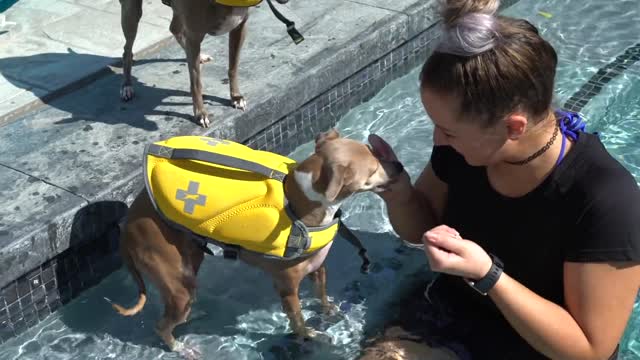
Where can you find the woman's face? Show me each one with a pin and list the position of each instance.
(479, 146)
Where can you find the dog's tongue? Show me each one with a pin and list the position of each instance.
(381, 148)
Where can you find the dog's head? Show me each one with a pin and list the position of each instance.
(346, 166)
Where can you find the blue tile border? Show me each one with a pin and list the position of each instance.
(602, 77)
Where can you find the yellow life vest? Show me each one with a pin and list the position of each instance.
(239, 3)
(230, 194)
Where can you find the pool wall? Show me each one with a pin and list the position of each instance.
(81, 246)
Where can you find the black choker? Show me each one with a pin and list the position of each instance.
(539, 152)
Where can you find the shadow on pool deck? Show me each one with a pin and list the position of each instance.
(148, 97)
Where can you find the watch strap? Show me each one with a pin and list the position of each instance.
(488, 281)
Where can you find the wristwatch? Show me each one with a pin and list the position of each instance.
(487, 282)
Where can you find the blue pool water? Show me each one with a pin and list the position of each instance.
(243, 320)
(5, 4)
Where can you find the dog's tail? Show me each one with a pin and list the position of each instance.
(142, 295)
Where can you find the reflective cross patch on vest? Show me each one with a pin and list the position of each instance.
(190, 197)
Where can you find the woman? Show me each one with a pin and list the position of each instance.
(531, 224)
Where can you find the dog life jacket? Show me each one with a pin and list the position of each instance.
(230, 195)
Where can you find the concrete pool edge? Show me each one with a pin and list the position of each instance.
(29, 297)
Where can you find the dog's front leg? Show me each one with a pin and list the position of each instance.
(130, 13)
(319, 278)
(192, 47)
(236, 39)
(177, 29)
(288, 290)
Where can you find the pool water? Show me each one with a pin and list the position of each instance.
(237, 314)
(6, 4)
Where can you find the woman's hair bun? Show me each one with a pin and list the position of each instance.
(452, 10)
(470, 27)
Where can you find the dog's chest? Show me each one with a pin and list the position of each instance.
(224, 24)
(318, 259)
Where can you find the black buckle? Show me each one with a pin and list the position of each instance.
(296, 36)
(230, 252)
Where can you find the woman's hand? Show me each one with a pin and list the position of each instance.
(451, 254)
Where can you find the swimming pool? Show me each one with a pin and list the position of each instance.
(244, 321)
(5, 4)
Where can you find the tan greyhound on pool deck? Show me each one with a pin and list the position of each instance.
(262, 208)
(192, 20)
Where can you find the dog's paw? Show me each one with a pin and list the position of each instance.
(187, 352)
(238, 102)
(204, 58)
(126, 92)
(203, 120)
(330, 309)
(316, 336)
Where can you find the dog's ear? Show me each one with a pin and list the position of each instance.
(337, 176)
(326, 136)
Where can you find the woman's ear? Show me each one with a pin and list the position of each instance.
(516, 125)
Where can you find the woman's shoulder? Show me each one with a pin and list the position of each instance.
(603, 198)
(595, 172)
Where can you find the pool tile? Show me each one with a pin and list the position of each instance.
(14, 310)
(43, 313)
(26, 301)
(10, 293)
(55, 305)
(23, 287)
(48, 274)
(6, 331)
(30, 316)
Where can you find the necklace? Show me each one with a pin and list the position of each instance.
(539, 152)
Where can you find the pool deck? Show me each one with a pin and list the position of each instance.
(67, 141)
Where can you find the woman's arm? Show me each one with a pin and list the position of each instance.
(415, 209)
(599, 298)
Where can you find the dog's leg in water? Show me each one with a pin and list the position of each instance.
(130, 13)
(319, 278)
(192, 48)
(287, 287)
(176, 311)
(236, 39)
(178, 32)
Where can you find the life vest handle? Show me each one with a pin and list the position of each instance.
(214, 158)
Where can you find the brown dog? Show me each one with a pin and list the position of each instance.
(192, 20)
(338, 168)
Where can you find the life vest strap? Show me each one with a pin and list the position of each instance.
(214, 158)
(353, 240)
(299, 240)
(291, 26)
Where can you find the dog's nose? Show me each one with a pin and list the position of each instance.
(398, 167)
